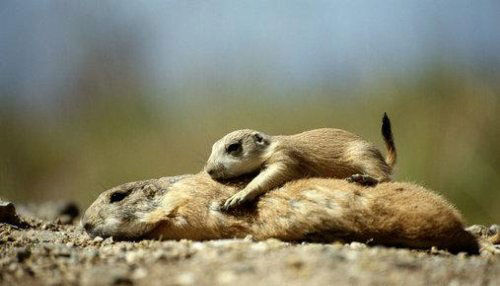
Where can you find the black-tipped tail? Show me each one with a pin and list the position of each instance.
(389, 141)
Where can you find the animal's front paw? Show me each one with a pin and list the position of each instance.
(236, 200)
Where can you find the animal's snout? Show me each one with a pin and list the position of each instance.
(212, 172)
(87, 226)
(215, 172)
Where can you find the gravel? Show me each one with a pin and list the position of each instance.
(47, 251)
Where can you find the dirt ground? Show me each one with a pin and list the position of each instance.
(45, 246)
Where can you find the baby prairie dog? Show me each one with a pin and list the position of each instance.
(325, 152)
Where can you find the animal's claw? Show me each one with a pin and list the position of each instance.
(234, 201)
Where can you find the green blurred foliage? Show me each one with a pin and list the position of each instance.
(445, 123)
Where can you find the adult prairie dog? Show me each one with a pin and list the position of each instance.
(325, 152)
(314, 209)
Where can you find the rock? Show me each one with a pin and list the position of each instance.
(295, 262)
(22, 254)
(186, 278)
(260, 247)
(133, 257)
(69, 209)
(139, 273)
(159, 255)
(227, 277)
(8, 213)
(101, 275)
(357, 245)
(62, 212)
(108, 241)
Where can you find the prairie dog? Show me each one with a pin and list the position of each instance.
(325, 152)
(313, 209)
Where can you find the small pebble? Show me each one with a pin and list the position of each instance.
(295, 262)
(22, 254)
(260, 247)
(139, 273)
(159, 255)
(108, 241)
(186, 278)
(357, 245)
(227, 277)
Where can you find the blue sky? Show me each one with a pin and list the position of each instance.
(43, 44)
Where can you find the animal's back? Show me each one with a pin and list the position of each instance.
(336, 153)
(323, 138)
(397, 214)
(392, 213)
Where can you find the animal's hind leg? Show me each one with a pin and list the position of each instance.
(371, 174)
(364, 180)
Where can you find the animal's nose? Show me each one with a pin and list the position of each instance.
(215, 171)
(211, 172)
(87, 226)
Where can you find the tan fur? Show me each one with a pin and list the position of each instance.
(325, 152)
(391, 213)
(495, 238)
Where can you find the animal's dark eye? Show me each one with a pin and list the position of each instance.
(233, 148)
(117, 196)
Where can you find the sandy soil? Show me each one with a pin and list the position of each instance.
(45, 246)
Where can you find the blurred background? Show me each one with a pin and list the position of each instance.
(97, 93)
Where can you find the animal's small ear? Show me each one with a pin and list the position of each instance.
(261, 139)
